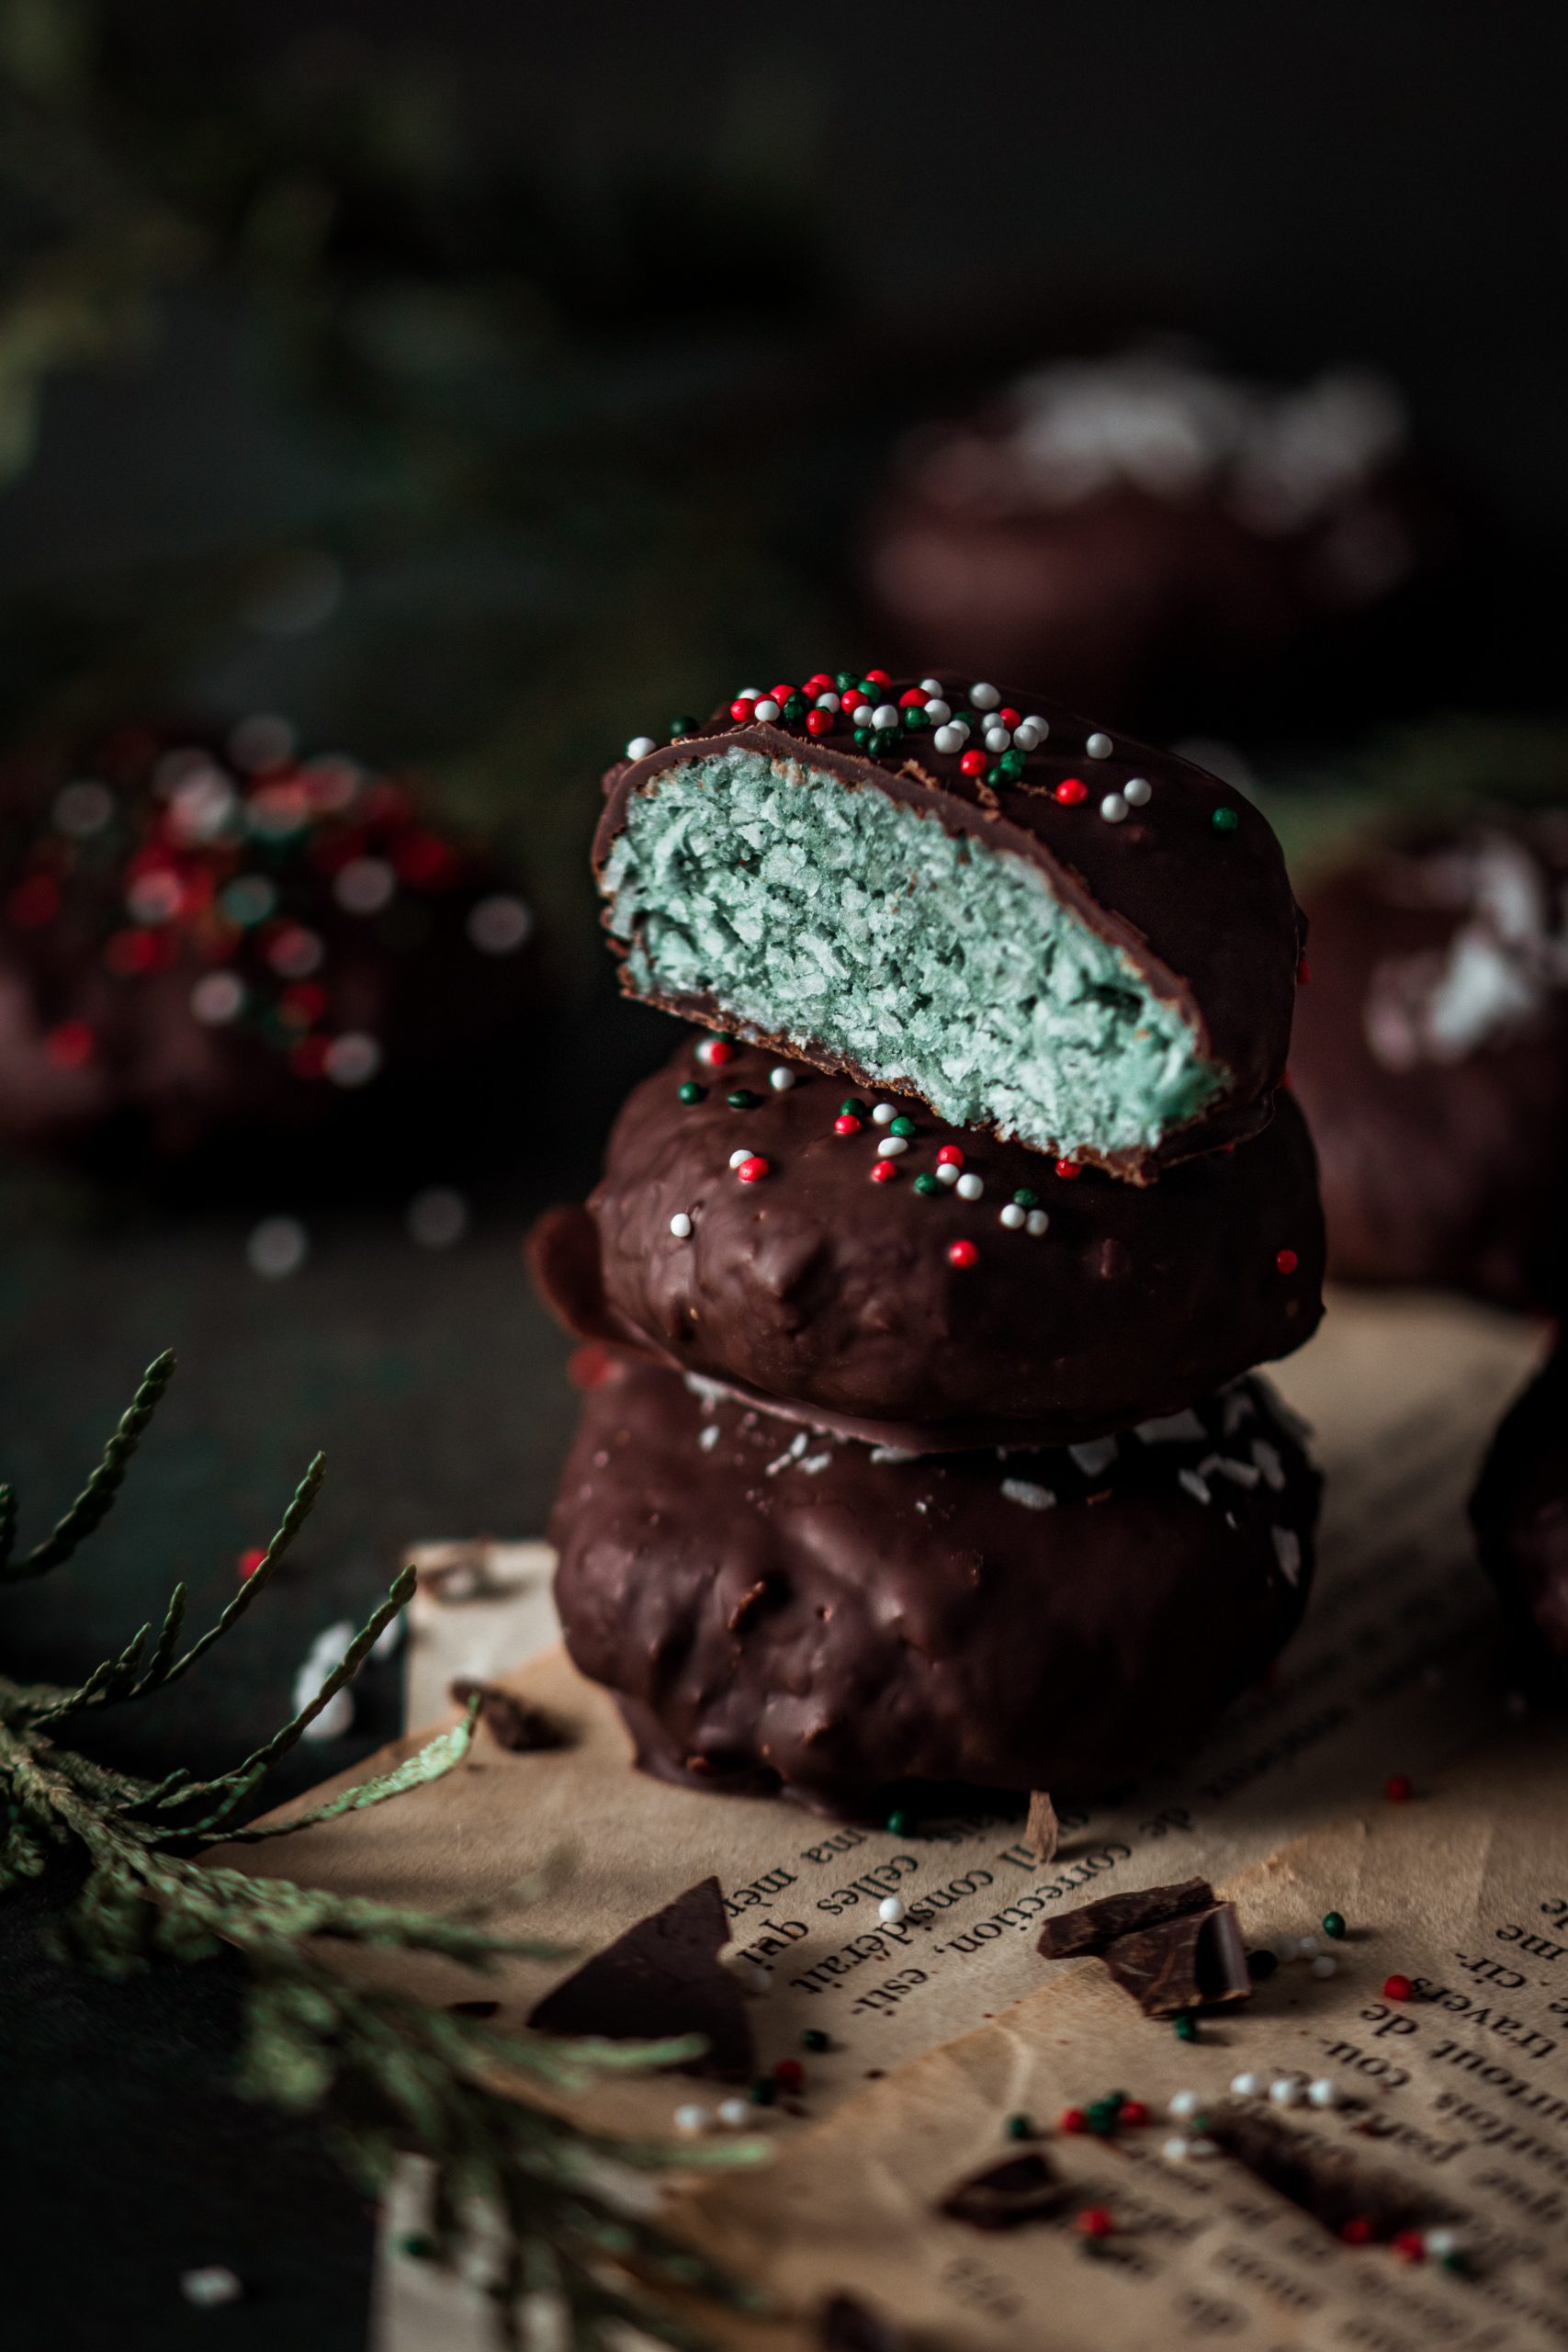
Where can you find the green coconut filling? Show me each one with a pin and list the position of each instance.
(815, 910)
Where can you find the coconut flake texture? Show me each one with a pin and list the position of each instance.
(840, 920)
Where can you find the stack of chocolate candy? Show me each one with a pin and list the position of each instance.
(936, 1262)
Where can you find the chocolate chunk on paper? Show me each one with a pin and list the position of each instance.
(1094, 1926)
(1196, 1962)
(661, 1977)
(514, 1723)
(846, 2324)
(1024, 2188)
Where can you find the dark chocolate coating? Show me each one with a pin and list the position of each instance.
(1205, 917)
(824, 1294)
(1440, 1160)
(1520, 1514)
(778, 1612)
(156, 1090)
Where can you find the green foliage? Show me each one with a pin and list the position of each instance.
(386, 2072)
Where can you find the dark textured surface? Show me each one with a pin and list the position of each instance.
(773, 1608)
(1205, 917)
(832, 1295)
(435, 1385)
(1521, 1512)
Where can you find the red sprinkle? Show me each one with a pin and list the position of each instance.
(1070, 1171)
(782, 695)
(1008, 716)
(1410, 2246)
(878, 678)
(950, 1155)
(752, 1171)
(1132, 2112)
(70, 1044)
(1398, 1988)
(818, 722)
(742, 708)
(1286, 1261)
(789, 2075)
(1303, 973)
(960, 1253)
(846, 1124)
(715, 1051)
(974, 763)
(130, 952)
(1358, 2231)
(249, 1562)
(1071, 790)
(1399, 1788)
(885, 1172)
(852, 699)
(1072, 2119)
(911, 699)
(1094, 2221)
(819, 682)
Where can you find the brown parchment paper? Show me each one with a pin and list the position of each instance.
(1396, 1670)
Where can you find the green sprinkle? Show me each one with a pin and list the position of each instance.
(844, 680)
(863, 738)
(996, 774)
(1333, 1924)
(902, 1127)
(1102, 2118)
(1025, 1199)
(1011, 764)
(1186, 2027)
(764, 2091)
(813, 2039)
(743, 1099)
(793, 710)
(927, 1186)
(852, 1108)
(915, 716)
(1018, 2127)
(885, 739)
(897, 1825)
(416, 2244)
(679, 726)
(692, 1092)
(1224, 820)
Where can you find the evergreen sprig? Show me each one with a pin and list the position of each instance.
(386, 2073)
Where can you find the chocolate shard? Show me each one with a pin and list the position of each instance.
(846, 2324)
(662, 1977)
(1042, 1832)
(1197, 1961)
(1022, 2189)
(1325, 2182)
(1094, 1926)
(514, 1723)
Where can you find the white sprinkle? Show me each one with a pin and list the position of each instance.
(1306, 1948)
(1441, 2243)
(1325, 2092)
(883, 1113)
(766, 709)
(997, 739)
(1136, 791)
(364, 886)
(781, 1079)
(890, 1909)
(1285, 1949)
(82, 809)
(217, 997)
(886, 714)
(936, 711)
(1174, 2150)
(691, 2119)
(734, 2114)
(641, 746)
(932, 686)
(891, 1146)
(1038, 1223)
(737, 1157)
(1246, 2085)
(790, 1455)
(970, 1186)
(1326, 1964)
(983, 697)
(1012, 1217)
(1170, 1429)
(1285, 2091)
(681, 1226)
(1098, 1454)
(1114, 809)
(210, 2286)
(828, 702)
(353, 1059)
(278, 1247)
(708, 1438)
(1288, 1552)
(948, 739)
(1100, 747)
(1183, 2104)
(947, 1171)
(1025, 736)
(1030, 1496)
(750, 694)
(437, 1217)
(1042, 726)
(499, 926)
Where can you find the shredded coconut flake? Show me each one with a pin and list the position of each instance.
(1025, 1491)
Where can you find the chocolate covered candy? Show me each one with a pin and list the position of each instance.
(966, 895)
(1431, 1058)
(877, 1272)
(776, 1611)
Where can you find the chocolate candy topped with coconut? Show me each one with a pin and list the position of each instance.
(960, 893)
